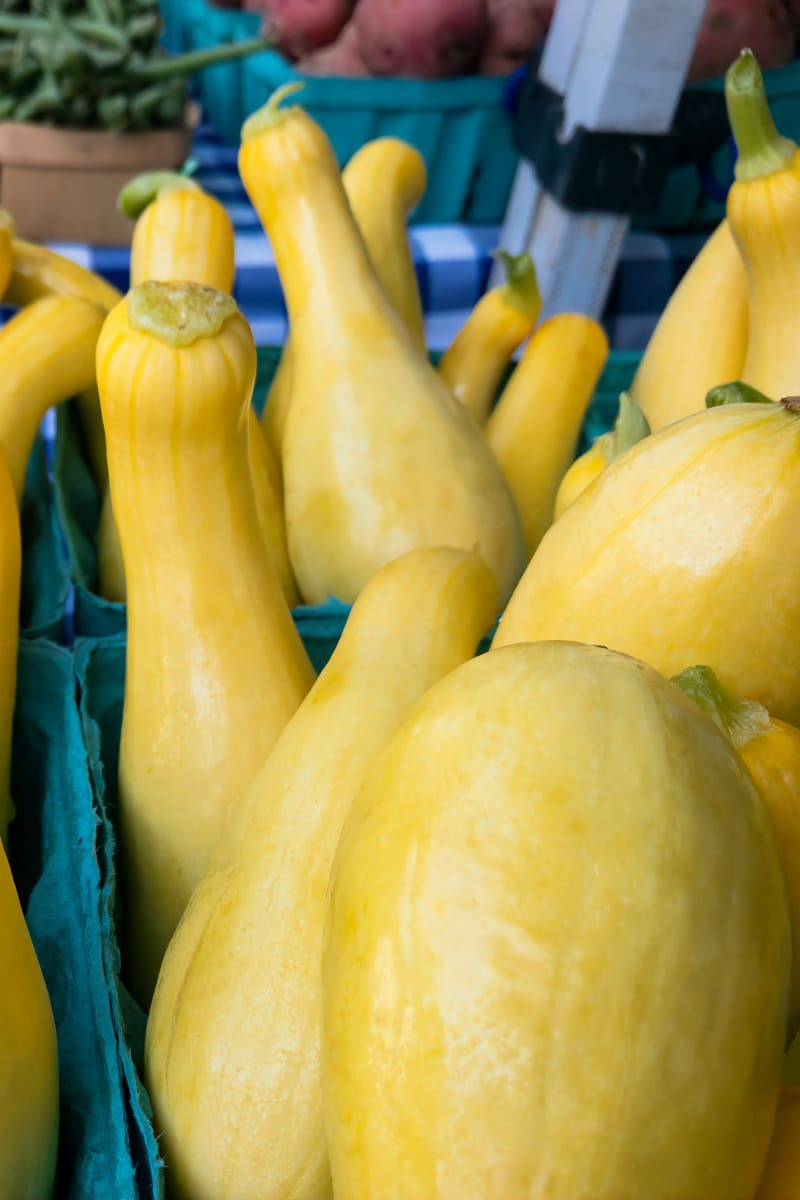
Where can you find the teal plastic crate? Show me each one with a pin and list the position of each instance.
(222, 87)
(319, 626)
(459, 125)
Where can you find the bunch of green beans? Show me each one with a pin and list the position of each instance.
(96, 64)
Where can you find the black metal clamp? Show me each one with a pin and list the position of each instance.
(623, 173)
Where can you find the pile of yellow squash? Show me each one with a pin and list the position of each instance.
(435, 925)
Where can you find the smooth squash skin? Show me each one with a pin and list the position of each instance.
(781, 1178)
(46, 356)
(630, 427)
(214, 665)
(10, 577)
(182, 233)
(762, 207)
(701, 336)
(683, 551)
(232, 1049)
(29, 1115)
(378, 457)
(473, 364)
(384, 181)
(534, 427)
(557, 947)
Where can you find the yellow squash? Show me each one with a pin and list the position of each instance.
(181, 232)
(701, 337)
(215, 667)
(233, 1035)
(534, 427)
(683, 550)
(629, 428)
(10, 577)
(184, 234)
(771, 752)
(781, 1178)
(557, 947)
(473, 365)
(384, 181)
(378, 457)
(29, 1120)
(39, 272)
(6, 253)
(46, 356)
(764, 214)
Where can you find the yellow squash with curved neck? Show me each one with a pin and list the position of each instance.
(534, 427)
(557, 946)
(473, 364)
(39, 272)
(29, 1117)
(378, 457)
(384, 181)
(214, 665)
(46, 356)
(184, 234)
(232, 1047)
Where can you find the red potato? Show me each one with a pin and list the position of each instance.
(428, 39)
(302, 26)
(730, 25)
(515, 27)
(342, 57)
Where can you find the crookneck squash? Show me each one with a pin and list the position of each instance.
(215, 666)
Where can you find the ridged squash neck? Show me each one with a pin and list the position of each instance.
(762, 150)
(740, 720)
(178, 314)
(6, 222)
(141, 192)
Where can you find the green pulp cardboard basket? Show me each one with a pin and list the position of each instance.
(45, 583)
(61, 857)
(319, 625)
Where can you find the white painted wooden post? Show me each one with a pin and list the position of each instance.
(620, 66)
